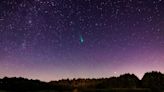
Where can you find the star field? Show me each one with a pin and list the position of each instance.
(55, 39)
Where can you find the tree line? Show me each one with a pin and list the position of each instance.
(151, 80)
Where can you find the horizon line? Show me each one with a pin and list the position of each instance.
(79, 77)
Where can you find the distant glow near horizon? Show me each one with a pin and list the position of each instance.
(54, 39)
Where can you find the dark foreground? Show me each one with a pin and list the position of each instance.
(91, 90)
(151, 82)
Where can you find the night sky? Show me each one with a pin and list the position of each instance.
(56, 39)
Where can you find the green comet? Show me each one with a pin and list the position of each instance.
(81, 39)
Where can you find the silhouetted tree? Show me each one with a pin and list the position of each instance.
(128, 81)
(21, 84)
(124, 81)
(153, 80)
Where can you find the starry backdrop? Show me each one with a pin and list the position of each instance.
(56, 39)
